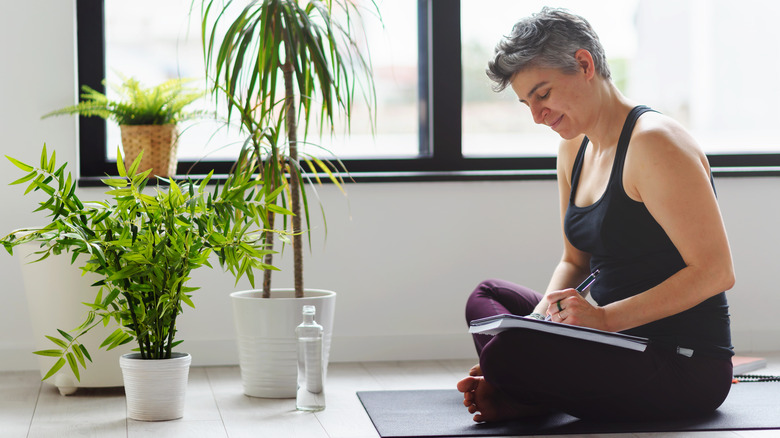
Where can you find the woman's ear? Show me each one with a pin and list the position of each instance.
(585, 61)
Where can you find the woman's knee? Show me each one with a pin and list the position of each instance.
(481, 300)
(487, 288)
(495, 296)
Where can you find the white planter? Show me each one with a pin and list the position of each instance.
(55, 290)
(265, 331)
(155, 389)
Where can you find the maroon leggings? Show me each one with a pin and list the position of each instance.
(590, 380)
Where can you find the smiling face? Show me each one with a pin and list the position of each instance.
(555, 98)
(558, 99)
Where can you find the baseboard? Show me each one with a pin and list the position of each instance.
(216, 352)
(746, 341)
(402, 347)
(351, 349)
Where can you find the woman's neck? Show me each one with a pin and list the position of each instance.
(612, 110)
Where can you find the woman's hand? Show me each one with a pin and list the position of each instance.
(569, 307)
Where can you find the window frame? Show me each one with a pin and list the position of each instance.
(440, 102)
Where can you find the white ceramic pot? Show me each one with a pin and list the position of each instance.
(265, 331)
(155, 389)
(55, 292)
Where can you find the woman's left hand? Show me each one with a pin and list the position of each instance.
(569, 307)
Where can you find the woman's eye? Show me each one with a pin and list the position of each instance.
(545, 96)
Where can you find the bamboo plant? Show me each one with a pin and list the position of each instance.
(144, 247)
(289, 65)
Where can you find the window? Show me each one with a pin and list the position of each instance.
(496, 124)
(437, 116)
(675, 56)
(167, 44)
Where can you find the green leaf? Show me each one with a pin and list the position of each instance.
(66, 335)
(120, 165)
(120, 192)
(110, 339)
(73, 365)
(49, 353)
(111, 297)
(271, 197)
(80, 356)
(137, 162)
(52, 162)
(277, 209)
(19, 164)
(187, 300)
(86, 353)
(44, 157)
(124, 338)
(59, 342)
(114, 182)
(56, 367)
(49, 191)
(24, 179)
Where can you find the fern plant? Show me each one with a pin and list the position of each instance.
(144, 247)
(162, 104)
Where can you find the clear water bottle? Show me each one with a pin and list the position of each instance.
(310, 396)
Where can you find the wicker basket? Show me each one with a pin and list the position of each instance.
(158, 142)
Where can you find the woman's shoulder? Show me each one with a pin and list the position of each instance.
(660, 138)
(657, 131)
(661, 148)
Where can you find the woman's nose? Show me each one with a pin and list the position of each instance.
(539, 113)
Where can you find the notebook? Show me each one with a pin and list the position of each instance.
(498, 323)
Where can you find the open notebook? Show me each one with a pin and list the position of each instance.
(496, 324)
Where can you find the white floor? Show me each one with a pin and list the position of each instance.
(217, 408)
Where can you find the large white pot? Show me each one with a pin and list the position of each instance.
(155, 389)
(267, 346)
(55, 292)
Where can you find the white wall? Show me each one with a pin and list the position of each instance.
(402, 256)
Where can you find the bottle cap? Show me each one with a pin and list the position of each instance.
(309, 310)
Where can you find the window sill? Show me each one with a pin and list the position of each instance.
(475, 175)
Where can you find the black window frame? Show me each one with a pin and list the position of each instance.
(440, 98)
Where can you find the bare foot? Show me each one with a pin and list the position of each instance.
(489, 404)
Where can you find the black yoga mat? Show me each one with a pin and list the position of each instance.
(440, 413)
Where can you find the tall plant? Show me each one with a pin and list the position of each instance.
(283, 64)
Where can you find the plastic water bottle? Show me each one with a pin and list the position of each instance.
(310, 396)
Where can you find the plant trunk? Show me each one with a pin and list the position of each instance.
(269, 175)
(269, 258)
(295, 188)
(168, 343)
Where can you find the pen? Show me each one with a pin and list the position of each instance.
(580, 289)
(585, 284)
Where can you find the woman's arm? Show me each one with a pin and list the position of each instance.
(575, 264)
(669, 173)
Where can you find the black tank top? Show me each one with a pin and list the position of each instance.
(634, 254)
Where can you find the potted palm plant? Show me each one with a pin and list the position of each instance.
(143, 247)
(147, 119)
(292, 66)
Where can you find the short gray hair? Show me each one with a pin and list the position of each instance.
(548, 39)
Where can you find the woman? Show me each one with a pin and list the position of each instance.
(638, 204)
